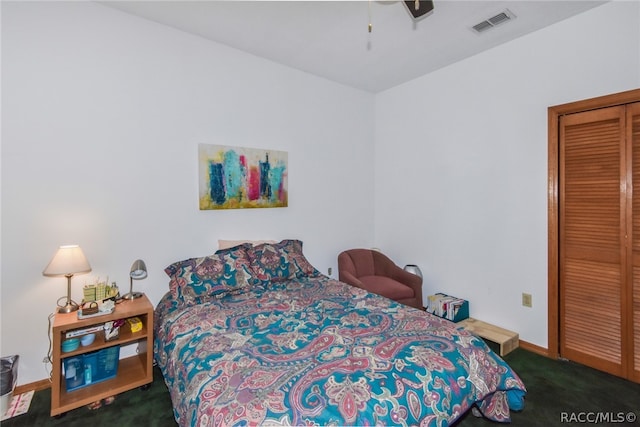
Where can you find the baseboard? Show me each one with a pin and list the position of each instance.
(534, 348)
(36, 386)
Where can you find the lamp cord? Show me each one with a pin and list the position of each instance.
(50, 351)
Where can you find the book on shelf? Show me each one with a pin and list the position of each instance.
(84, 331)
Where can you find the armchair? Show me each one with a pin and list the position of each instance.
(377, 273)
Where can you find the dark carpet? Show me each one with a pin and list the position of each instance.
(559, 393)
(562, 393)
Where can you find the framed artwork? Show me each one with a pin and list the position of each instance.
(237, 177)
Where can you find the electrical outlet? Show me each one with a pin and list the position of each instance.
(526, 300)
(329, 271)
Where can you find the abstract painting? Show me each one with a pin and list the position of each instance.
(237, 177)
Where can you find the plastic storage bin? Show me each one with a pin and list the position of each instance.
(90, 368)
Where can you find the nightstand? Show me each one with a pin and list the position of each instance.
(133, 371)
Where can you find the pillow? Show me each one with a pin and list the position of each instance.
(226, 244)
(222, 273)
(277, 262)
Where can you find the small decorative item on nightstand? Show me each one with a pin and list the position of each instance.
(70, 345)
(88, 339)
(135, 324)
(100, 291)
(89, 308)
(112, 329)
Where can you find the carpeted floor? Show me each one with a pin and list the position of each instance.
(151, 407)
(561, 393)
(558, 392)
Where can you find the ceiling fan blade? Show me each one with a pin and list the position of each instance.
(424, 7)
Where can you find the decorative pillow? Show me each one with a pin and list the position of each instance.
(280, 261)
(226, 244)
(215, 275)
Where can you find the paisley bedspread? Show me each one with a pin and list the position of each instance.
(315, 351)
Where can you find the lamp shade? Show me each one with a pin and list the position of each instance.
(138, 270)
(68, 259)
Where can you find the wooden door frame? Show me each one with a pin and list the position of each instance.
(553, 115)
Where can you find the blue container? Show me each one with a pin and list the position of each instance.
(90, 368)
(87, 339)
(74, 372)
(70, 345)
(107, 363)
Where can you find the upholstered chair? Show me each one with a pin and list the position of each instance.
(371, 270)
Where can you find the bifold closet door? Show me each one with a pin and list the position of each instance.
(632, 296)
(593, 259)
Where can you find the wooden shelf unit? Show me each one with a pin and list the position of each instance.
(133, 371)
(507, 340)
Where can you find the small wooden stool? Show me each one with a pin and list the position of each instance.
(507, 340)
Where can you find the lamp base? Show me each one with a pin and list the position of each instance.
(132, 295)
(69, 307)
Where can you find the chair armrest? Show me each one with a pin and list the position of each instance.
(350, 279)
(403, 276)
(409, 279)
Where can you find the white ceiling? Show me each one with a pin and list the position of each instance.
(330, 38)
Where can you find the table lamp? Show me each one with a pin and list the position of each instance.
(67, 261)
(138, 271)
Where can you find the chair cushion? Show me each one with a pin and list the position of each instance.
(386, 287)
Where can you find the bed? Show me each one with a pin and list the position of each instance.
(255, 335)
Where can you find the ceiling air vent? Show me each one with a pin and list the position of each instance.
(498, 19)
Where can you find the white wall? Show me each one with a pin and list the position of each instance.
(461, 160)
(98, 105)
(102, 113)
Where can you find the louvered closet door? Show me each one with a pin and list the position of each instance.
(633, 295)
(593, 259)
